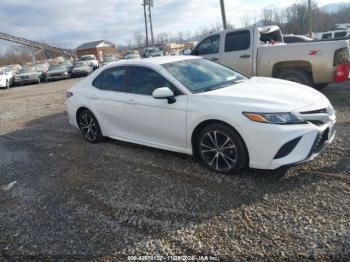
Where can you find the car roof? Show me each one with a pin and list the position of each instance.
(153, 61)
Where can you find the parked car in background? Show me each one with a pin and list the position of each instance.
(57, 72)
(81, 68)
(91, 59)
(173, 52)
(68, 64)
(258, 51)
(152, 52)
(130, 52)
(194, 106)
(14, 68)
(107, 59)
(6, 78)
(27, 75)
(290, 39)
(132, 56)
(43, 68)
(333, 34)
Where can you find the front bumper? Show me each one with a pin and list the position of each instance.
(26, 80)
(264, 142)
(2, 83)
(79, 73)
(57, 77)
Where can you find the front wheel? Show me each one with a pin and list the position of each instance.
(221, 149)
(89, 127)
(7, 84)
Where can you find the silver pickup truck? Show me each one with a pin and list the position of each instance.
(258, 51)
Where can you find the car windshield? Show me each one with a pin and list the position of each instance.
(152, 50)
(27, 70)
(132, 56)
(81, 64)
(86, 58)
(201, 75)
(57, 67)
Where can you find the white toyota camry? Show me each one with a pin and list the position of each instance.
(194, 106)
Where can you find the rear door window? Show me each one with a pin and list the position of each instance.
(112, 79)
(237, 41)
(340, 34)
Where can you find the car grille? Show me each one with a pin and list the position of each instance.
(320, 140)
(25, 77)
(57, 74)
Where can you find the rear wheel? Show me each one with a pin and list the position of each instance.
(221, 149)
(297, 75)
(89, 127)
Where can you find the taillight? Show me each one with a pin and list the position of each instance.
(69, 94)
(342, 72)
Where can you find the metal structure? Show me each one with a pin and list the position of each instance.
(310, 19)
(144, 12)
(150, 20)
(37, 45)
(223, 14)
(149, 4)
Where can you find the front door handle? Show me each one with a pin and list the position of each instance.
(245, 56)
(214, 59)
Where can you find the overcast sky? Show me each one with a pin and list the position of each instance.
(71, 22)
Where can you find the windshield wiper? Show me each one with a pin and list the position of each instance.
(222, 86)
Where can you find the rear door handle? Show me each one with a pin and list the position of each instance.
(245, 56)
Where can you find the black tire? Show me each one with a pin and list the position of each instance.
(89, 127)
(228, 155)
(297, 75)
(7, 84)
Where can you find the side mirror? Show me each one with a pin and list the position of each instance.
(187, 51)
(164, 93)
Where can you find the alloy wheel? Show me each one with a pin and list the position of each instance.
(218, 150)
(88, 127)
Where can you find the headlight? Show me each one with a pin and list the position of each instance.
(274, 118)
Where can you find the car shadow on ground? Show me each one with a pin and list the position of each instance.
(70, 192)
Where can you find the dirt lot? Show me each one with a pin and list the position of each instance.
(73, 200)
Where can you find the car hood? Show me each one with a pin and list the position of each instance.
(274, 95)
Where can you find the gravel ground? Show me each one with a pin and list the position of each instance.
(71, 200)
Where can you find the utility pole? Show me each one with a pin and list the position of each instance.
(150, 3)
(310, 18)
(144, 12)
(223, 14)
